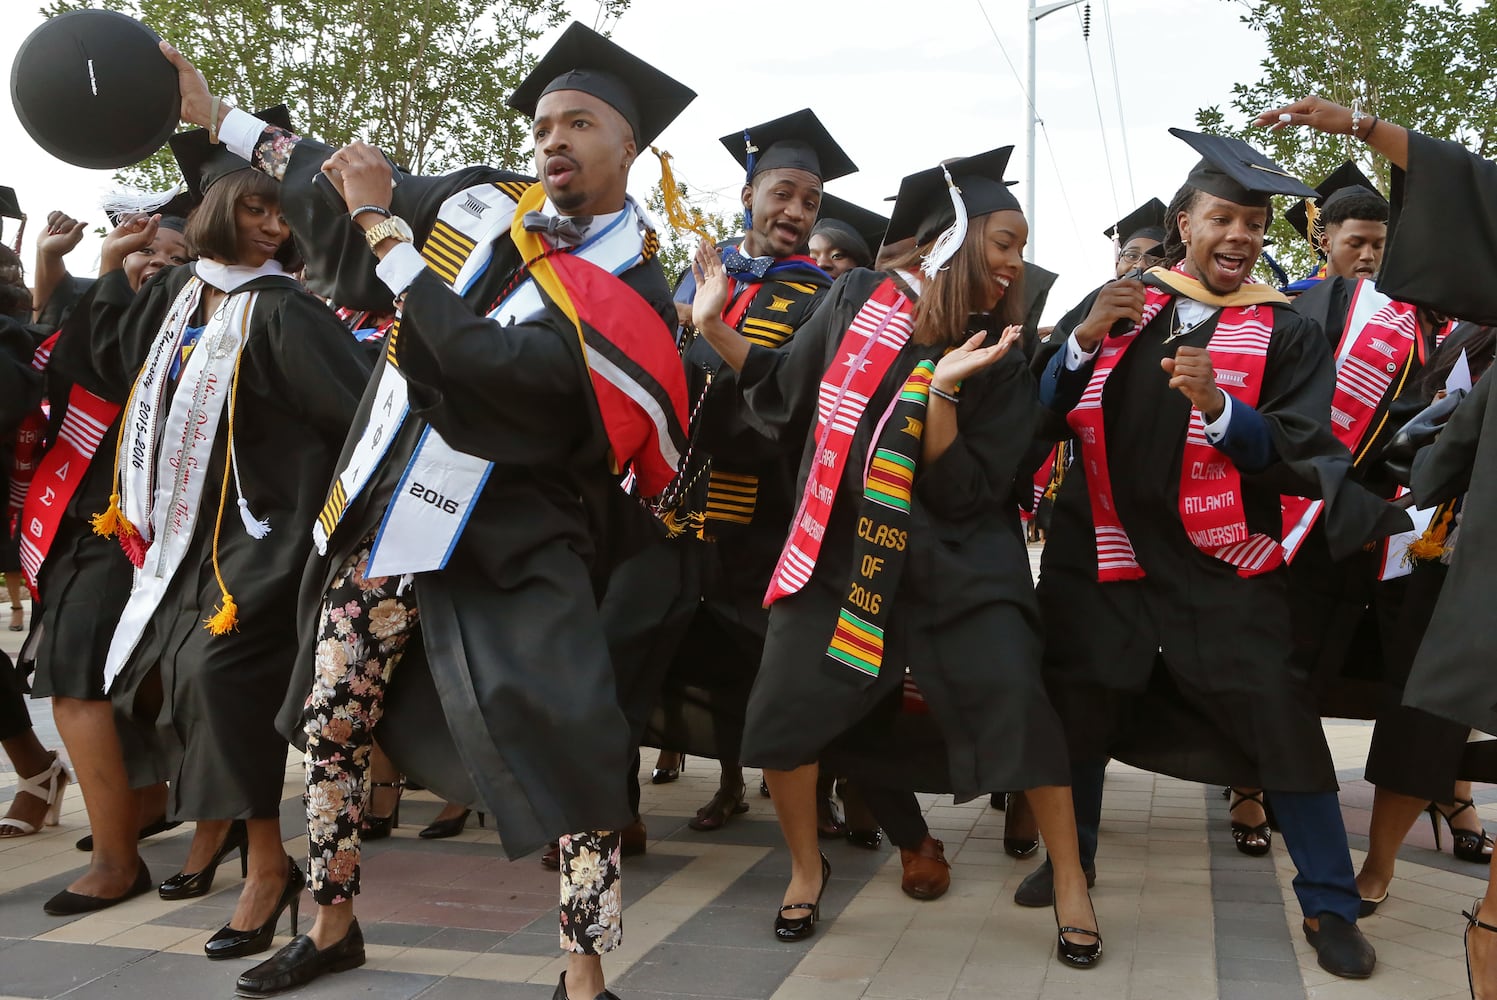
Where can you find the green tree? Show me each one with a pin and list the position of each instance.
(1427, 64)
(426, 82)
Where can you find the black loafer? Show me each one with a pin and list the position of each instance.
(1038, 887)
(300, 962)
(1340, 948)
(68, 904)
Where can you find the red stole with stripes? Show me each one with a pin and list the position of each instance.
(1211, 507)
(873, 340)
(1380, 340)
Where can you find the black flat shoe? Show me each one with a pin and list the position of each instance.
(1340, 948)
(86, 842)
(561, 992)
(300, 962)
(190, 885)
(1038, 887)
(441, 829)
(1369, 906)
(67, 904)
(1079, 956)
(229, 943)
(797, 928)
(1254, 841)
(868, 840)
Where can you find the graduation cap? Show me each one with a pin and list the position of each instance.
(795, 141)
(851, 228)
(1344, 178)
(10, 205)
(584, 60)
(92, 88)
(1148, 216)
(204, 163)
(1235, 171)
(925, 205)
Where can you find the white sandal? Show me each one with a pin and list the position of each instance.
(47, 786)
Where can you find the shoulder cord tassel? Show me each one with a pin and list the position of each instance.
(1431, 545)
(226, 618)
(949, 242)
(113, 523)
(677, 213)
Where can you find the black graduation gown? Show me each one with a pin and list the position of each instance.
(508, 702)
(964, 618)
(209, 702)
(1346, 621)
(1228, 707)
(1442, 247)
(85, 580)
(686, 619)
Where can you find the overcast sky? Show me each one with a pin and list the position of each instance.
(901, 86)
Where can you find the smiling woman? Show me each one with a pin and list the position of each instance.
(240, 222)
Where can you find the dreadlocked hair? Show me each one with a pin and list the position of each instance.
(1185, 201)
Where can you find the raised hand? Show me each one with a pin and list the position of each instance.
(1191, 371)
(1314, 112)
(197, 102)
(713, 286)
(971, 357)
(1118, 300)
(362, 176)
(129, 236)
(61, 236)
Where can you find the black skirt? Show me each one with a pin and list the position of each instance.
(84, 584)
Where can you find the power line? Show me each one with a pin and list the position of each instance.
(1117, 90)
(1086, 39)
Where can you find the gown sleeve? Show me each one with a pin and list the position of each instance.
(318, 369)
(19, 383)
(1442, 236)
(1442, 471)
(994, 428)
(105, 339)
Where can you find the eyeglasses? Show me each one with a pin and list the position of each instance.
(1135, 256)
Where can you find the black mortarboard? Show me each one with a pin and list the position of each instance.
(93, 89)
(1235, 171)
(923, 207)
(584, 60)
(852, 228)
(10, 205)
(205, 163)
(1344, 177)
(796, 141)
(1148, 216)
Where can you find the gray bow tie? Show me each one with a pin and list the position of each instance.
(569, 230)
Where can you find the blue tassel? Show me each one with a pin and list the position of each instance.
(749, 151)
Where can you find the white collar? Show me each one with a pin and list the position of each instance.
(229, 278)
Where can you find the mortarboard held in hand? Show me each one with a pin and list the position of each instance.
(92, 88)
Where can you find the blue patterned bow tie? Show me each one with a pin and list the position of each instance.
(567, 230)
(736, 264)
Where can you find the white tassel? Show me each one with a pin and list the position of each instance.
(949, 242)
(128, 201)
(253, 526)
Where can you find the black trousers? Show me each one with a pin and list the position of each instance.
(898, 812)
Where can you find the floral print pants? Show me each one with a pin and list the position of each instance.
(361, 636)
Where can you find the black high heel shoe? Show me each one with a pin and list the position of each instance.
(1016, 847)
(665, 775)
(1468, 845)
(440, 829)
(1254, 841)
(797, 928)
(229, 943)
(1080, 956)
(1473, 924)
(379, 827)
(190, 885)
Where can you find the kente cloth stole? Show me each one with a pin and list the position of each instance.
(1211, 506)
(1380, 343)
(166, 449)
(883, 527)
(873, 340)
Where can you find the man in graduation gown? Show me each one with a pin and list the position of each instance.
(1167, 625)
(686, 619)
(1441, 254)
(1347, 225)
(531, 366)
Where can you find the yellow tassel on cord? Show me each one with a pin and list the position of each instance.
(677, 525)
(112, 521)
(1431, 545)
(226, 618)
(676, 211)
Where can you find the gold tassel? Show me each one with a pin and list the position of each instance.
(112, 522)
(677, 212)
(226, 618)
(1312, 223)
(1430, 546)
(677, 524)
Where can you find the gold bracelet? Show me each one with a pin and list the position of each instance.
(213, 122)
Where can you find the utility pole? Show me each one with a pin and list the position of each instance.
(1035, 13)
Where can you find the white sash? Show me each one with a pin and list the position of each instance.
(164, 459)
(441, 485)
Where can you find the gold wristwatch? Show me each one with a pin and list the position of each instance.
(393, 228)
